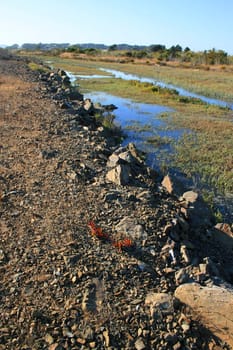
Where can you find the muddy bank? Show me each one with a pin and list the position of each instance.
(67, 284)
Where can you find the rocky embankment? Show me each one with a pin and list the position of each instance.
(96, 252)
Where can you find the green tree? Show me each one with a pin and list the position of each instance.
(112, 47)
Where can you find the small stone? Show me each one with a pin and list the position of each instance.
(185, 326)
(167, 229)
(167, 183)
(185, 254)
(131, 228)
(81, 341)
(88, 333)
(53, 346)
(72, 175)
(106, 338)
(190, 196)
(2, 255)
(160, 301)
(171, 338)
(139, 344)
(139, 332)
(177, 346)
(49, 339)
(113, 160)
(92, 345)
(183, 275)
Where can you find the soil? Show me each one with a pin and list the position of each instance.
(62, 286)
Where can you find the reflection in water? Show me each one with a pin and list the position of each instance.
(140, 121)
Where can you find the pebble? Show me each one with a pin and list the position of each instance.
(139, 344)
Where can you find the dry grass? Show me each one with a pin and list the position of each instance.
(9, 88)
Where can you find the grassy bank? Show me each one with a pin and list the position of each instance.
(214, 82)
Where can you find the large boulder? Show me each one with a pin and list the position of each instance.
(74, 94)
(222, 234)
(212, 305)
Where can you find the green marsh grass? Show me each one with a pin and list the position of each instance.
(158, 141)
(216, 84)
(37, 67)
(138, 127)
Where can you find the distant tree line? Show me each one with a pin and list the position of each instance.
(177, 53)
(158, 51)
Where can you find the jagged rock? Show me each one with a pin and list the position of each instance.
(184, 275)
(185, 253)
(88, 105)
(190, 196)
(127, 156)
(74, 94)
(138, 155)
(66, 81)
(160, 302)
(120, 175)
(168, 184)
(113, 160)
(109, 107)
(173, 185)
(222, 234)
(213, 305)
(139, 344)
(130, 227)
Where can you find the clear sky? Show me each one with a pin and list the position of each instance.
(198, 24)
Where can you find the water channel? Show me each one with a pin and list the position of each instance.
(182, 92)
(141, 121)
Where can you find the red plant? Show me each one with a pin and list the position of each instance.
(124, 243)
(97, 231)
(120, 244)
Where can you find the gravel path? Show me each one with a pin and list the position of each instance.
(62, 287)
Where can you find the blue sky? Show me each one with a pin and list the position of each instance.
(198, 24)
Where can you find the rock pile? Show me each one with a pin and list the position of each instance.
(63, 288)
